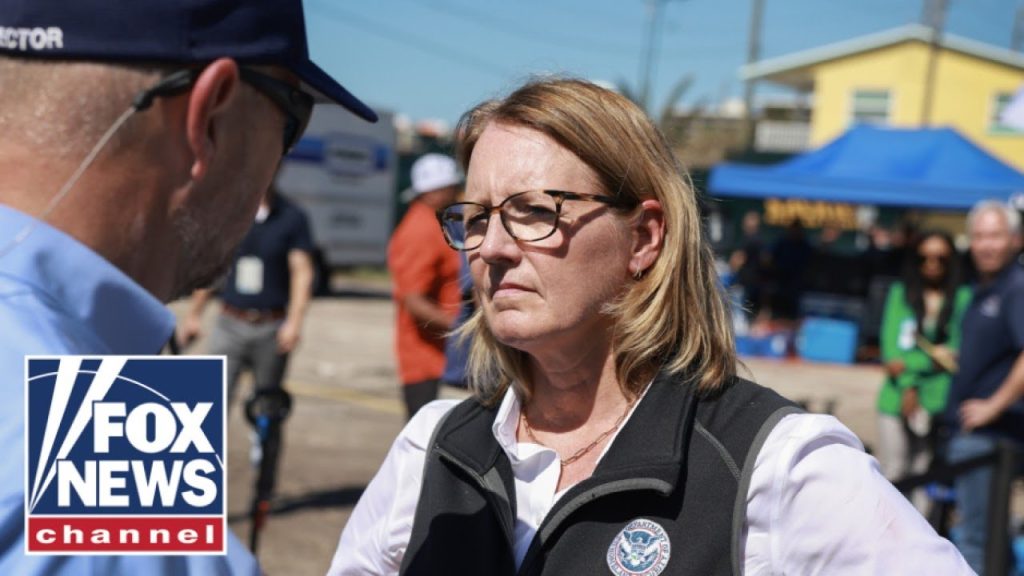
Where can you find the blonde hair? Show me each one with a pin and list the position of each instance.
(675, 317)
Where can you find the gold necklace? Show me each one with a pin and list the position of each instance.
(582, 451)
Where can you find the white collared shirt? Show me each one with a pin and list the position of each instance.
(817, 503)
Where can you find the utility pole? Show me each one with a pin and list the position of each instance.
(753, 55)
(1017, 39)
(654, 10)
(934, 16)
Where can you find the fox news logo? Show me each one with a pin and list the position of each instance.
(125, 454)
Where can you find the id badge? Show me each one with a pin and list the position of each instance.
(249, 275)
(908, 329)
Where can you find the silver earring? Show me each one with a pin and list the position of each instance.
(637, 274)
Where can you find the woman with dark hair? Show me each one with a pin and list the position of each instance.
(920, 337)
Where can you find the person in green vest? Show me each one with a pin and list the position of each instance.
(920, 338)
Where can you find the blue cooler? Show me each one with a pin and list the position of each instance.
(1018, 552)
(827, 340)
(748, 346)
(771, 345)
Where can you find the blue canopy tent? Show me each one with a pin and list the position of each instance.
(928, 168)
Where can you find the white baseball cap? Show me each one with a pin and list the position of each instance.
(432, 172)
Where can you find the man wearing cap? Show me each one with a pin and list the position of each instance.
(425, 280)
(137, 140)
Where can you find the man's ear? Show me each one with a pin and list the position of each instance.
(648, 236)
(214, 89)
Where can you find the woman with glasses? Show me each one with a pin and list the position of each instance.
(920, 337)
(608, 432)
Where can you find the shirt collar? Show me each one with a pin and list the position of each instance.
(262, 213)
(83, 285)
(999, 280)
(506, 422)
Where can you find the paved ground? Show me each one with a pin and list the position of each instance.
(347, 411)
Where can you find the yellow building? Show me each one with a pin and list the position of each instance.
(883, 78)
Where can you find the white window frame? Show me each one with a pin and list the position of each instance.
(888, 105)
(992, 124)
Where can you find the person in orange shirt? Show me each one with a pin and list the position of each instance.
(425, 279)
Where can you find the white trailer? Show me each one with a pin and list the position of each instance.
(343, 174)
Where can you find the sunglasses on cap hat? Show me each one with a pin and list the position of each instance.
(296, 104)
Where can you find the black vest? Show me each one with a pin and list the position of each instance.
(682, 461)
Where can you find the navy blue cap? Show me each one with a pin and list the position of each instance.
(265, 32)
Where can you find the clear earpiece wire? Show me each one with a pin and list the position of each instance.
(25, 232)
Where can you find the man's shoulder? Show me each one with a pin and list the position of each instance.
(289, 208)
(290, 215)
(34, 325)
(417, 229)
(1009, 288)
(420, 215)
(1015, 278)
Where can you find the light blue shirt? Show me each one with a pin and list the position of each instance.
(59, 297)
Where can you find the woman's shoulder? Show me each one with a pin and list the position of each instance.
(812, 430)
(418, 431)
(964, 293)
(738, 411)
(897, 287)
(745, 394)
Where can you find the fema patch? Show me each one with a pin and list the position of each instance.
(642, 548)
(990, 306)
(125, 455)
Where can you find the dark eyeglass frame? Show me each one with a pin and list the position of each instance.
(944, 258)
(296, 104)
(560, 196)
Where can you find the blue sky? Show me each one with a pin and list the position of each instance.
(437, 58)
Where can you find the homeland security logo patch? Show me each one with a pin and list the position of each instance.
(125, 454)
(642, 548)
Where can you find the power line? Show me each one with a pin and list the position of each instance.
(655, 8)
(1017, 37)
(394, 34)
(515, 29)
(591, 11)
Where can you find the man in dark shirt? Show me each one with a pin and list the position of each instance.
(790, 256)
(265, 296)
(749, 263)
(985, 400)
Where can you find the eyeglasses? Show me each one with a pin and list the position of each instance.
(527, 216)
(941, 258)
(296, 104)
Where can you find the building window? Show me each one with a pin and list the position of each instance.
(999, 104)
(871, 107)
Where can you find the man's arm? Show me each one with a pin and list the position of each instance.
(979, 412)
(191, 326)
(428, 313)
(300, 272)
